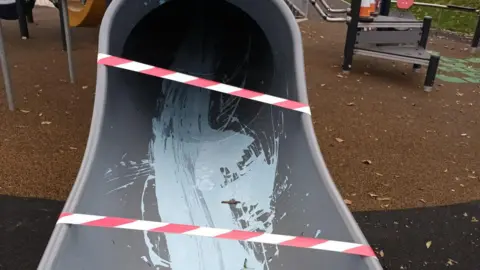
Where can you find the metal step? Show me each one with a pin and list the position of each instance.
(407, 54)
(412, 37)
(391, 22)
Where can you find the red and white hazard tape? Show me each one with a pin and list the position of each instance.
(257, 237)
(113, 61)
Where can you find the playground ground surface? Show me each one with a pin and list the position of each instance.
(388, 145)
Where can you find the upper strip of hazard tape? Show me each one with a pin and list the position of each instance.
(238, 235)
(113, 61)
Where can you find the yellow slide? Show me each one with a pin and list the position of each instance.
(86, 15)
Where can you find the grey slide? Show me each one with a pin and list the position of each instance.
(164, 151)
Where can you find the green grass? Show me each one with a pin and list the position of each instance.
(464, 22)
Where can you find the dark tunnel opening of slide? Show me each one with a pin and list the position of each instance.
(213, 40)
(165, 151)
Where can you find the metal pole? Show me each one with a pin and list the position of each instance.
(5, 72)
(325, 15)
(68, 38)
(22, 19)
(352, 30)
(385, 7)
(62, 27)
(332, 10)
(29, 14)
(476, 36)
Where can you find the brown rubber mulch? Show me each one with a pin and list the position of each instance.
(421, 146)
(42, 142)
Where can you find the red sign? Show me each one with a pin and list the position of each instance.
(404, 4)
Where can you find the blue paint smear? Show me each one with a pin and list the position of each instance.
(196, 167)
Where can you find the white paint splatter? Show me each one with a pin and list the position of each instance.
(197, 166)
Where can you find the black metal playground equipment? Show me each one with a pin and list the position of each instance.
(385, 9)
(395, 35)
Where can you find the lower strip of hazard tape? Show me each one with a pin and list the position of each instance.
(238, 235)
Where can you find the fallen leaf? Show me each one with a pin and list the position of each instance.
(24, 111)
(384, 199)
(72, 148)
(347, 202)
(231, 201)
(40, 114)
(463, 134)
(378, 174)
(322, 85)
(46, 122)
(474, 220)
(423, 201)
(367, 161)
(465, 214)
(451, 262)
(366, 74)
(85, 87)
(351, 104)
(339, 76)
(472, 177)
(373, 195)
(339, 140)
(459, 94)
(428, 244)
